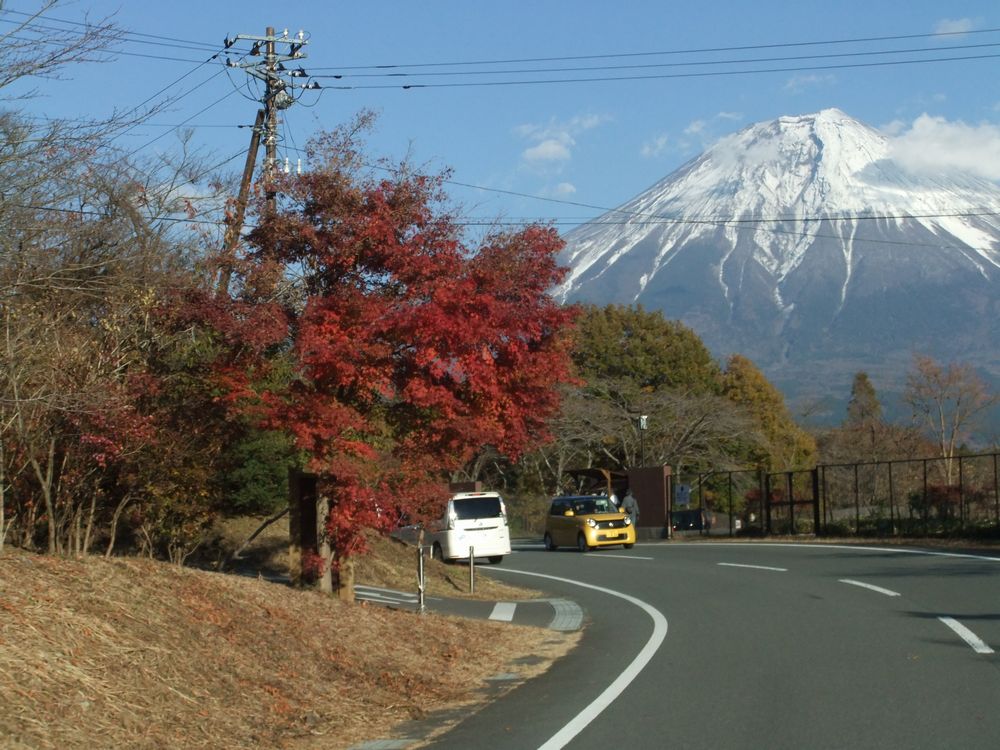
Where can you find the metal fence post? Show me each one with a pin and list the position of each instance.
(701, 503)
(732, 531)
(924, 509)
(996, 489)
(962, 511)
(857, 502)
(472, 570)
(827, 510)
(892, 504)
(421, 580)
(789, 482)
(766, 500)
(814, 477)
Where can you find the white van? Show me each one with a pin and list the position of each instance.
(471, 519)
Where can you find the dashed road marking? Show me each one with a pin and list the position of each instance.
(870, 587)
(503, 611)
(753, 567)
(974, 641)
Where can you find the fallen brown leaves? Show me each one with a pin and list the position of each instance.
(132, 653)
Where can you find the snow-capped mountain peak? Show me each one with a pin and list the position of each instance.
(781, 237)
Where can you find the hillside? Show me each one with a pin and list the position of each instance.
(133, 653)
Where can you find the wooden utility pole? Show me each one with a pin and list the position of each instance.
(279, 94)
(235, 222)
(273, 87)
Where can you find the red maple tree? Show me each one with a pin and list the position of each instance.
(412, 349)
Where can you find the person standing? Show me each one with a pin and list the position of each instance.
(631, 506)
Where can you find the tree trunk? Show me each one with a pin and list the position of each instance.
(45, 482)
(114, 524)
(235, 554)
(345, 587)
(324, 549)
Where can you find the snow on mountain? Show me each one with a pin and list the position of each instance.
(803, 243)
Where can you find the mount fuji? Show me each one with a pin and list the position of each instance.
(807, 244)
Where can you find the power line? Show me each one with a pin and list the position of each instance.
(647, 218)
(701, 50)
(170, 85)
(106, 52)
(184, 122)
(127, 35)
(92, 213)
(702, 74)
(870, 53)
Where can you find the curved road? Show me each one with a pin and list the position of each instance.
(720, 646)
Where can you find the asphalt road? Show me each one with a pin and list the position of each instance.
(700, 645)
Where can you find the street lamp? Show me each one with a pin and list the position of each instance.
(643, 420)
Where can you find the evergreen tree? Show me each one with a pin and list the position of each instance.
(864, 408)
(629, 344)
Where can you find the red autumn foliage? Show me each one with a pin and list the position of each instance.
(412, 349)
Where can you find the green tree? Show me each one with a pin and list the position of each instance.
(255, 476)
(784, 444)
(864, 435)
(643, 349)
(864, 409)
(634, 362)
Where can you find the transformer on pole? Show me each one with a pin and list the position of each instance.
(267, 65)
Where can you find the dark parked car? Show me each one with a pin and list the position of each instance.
(691, 520)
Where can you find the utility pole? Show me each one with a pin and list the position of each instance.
(279, 93)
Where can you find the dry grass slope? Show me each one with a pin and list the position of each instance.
(132, 653)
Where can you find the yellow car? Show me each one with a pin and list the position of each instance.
(587, 521)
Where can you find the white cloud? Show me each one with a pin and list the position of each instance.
(551, 150)
(953, 26)
(894, 128)
(797, 84)
(730, 151)
(565, 188)
(553, 141)
(698, 134)
(933, 144)
(695, 127)
(655, 147)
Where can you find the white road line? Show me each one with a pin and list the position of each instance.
(579, 722)
(967, 635)
(623, 557)
(379, 599)
(503, 611)
(384, 592)
(755, 567)
(870, 587)
(851, 547)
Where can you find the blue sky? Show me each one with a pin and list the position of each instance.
(596, 143)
